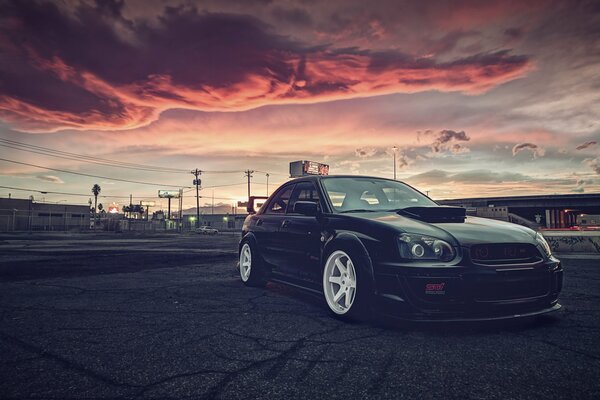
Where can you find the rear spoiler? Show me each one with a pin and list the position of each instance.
(250, 206)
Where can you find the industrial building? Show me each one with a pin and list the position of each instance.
(29, 215)
(544, 211)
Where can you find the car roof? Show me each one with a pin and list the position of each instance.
(319, 177)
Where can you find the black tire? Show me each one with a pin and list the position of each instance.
(360, 308)
(256, 276)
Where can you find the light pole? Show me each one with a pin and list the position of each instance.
(395, 148)
(267, 184)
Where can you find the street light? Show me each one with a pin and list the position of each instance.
(395, 148)
(267, 184)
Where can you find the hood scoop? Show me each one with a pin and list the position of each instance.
(435, 214)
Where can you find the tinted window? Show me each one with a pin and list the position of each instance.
(304, 191)
(372, 194)
(279, 204)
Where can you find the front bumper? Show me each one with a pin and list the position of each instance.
(471, 292)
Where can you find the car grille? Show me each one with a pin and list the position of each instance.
(505, 254)
(511, 287)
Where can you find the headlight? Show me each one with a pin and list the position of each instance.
(543, 244)
(420, 247)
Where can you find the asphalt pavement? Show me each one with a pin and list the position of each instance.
(166, 316)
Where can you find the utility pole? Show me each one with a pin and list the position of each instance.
(248, 174)
(181, 210)
(395, 148)
(130, 207)
(267, 184)
(197, 183)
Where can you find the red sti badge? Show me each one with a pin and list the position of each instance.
(435, 288)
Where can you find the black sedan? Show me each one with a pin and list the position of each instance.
(373, 245)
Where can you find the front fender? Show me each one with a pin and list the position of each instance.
(248, 236)
(355, 248)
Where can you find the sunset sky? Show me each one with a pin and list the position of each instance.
(482, 98)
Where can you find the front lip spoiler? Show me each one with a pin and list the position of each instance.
(555, 307)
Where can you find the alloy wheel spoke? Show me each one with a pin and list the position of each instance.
(351, 273)
(341, 267)
(348, 298)
(336, 279)
(338, 295)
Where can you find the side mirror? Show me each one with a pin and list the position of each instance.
(309, 208)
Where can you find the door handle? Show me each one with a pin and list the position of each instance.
(285, 223)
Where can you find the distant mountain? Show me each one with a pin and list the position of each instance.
(220, 208)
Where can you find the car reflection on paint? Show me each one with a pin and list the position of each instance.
(376, 245)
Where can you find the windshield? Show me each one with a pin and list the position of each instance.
(354, 194)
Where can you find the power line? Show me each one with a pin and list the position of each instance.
(89, 161)
(75, 194)
(105, 196)
(83, 158)
(92, 176)
(47, 151)
(216, 186)
(271, 173)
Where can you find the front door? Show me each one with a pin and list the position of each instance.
(301, 236)
(267, 228)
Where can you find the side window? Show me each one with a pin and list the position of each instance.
(304, 191)
(280, 202)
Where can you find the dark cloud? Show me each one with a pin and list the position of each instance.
(294, 16)
(365, 152)
(514, 33)
(403, 161)
(536, 150)
(585, 145)
(91, 67)
(444, 137)
(594, 164)
(50, 178)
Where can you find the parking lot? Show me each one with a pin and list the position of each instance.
(165, 316)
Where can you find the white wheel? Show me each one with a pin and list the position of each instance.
(339, 282)
(245, 262)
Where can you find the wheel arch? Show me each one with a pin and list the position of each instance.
(247, 236)
(350, 242)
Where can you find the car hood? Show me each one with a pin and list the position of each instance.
(472, 231)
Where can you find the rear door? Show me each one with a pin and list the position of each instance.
(301, 236)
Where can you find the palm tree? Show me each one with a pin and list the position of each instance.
(96, 189)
